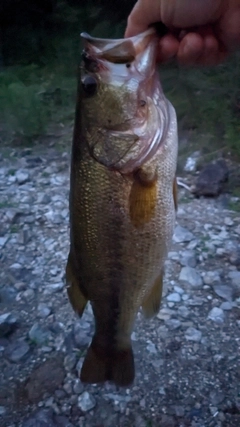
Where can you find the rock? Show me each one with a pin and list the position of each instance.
(44, 199)
(8, 324)
(211, 179)
(182, 235)
(46, 418)
(191, 276)
(226, 305)
(173, 324)
(86, 401)
(22, 177)
(183, 311)
(174, 297)
(17, 351)
(178, 290)
(53, 288)
(38, 334)
(235, 278)
(216, 315)
(211, 277)
(224, 291)
(81, 331)
(70, 362)
(2, 410)
(188, 259)
(78, 387)
(3, 241)
(193, 334)
(191, 162)
(43, 310)
(151, 347)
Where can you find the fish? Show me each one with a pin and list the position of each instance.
(123, 197)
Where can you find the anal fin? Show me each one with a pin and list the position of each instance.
(151, 303)
(76, 297)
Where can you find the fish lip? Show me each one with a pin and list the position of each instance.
(89, 38)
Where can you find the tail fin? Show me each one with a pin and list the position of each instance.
(100, 365)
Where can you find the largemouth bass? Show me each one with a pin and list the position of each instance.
(123, 197)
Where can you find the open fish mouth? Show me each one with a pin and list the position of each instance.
(119, 51)
(129, 64)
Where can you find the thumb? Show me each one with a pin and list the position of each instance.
(141, 17)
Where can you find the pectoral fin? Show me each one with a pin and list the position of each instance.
(76, 297)
(151, 303)
(143, 197)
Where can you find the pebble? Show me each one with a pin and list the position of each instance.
(191, 276)
(173, 324)
(86, 401)
(193, 334)
(53, 288)
(224, 291)
(216, 315)
(151, 347)
(8, 324)
(182, 235)
(43, 310)
(226, 305)
(17, 351)
(235, 278)
(183, 312)
(188, 259)
(22, 177)
(38, 334)
(211, 277)
(2, 410)
(174, 297)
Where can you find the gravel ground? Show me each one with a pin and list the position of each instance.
(187, 357)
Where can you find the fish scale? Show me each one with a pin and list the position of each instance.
(121, 218)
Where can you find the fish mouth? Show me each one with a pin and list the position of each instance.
(117, 51)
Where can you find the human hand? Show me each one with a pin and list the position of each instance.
(201, 32)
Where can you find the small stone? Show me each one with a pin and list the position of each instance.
(28, 294)
(8, 324)
(178, 290)
(81, 331)
(235, 278)
(224, 291)
(191, 276)
(44, 199)
(226, 305)
(173, 324)
(174, 297)
(3, 241)
(86, 402)
(17, 351)
(43, 310)
(183, 311)
(188, 259)
(193, 334)
(53, 288)
(228, 221)
(211, 277)
(22, 177)
(70, 362)
(2, 410)
(38, 334)
(179, 411)
(77, 387)
(182, 235)
(151, 347)
(216, 315)
(216, 397)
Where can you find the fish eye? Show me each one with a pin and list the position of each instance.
(89, 85)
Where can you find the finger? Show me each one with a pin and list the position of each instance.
(168, 48)
(141, 17)
(190, 49)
